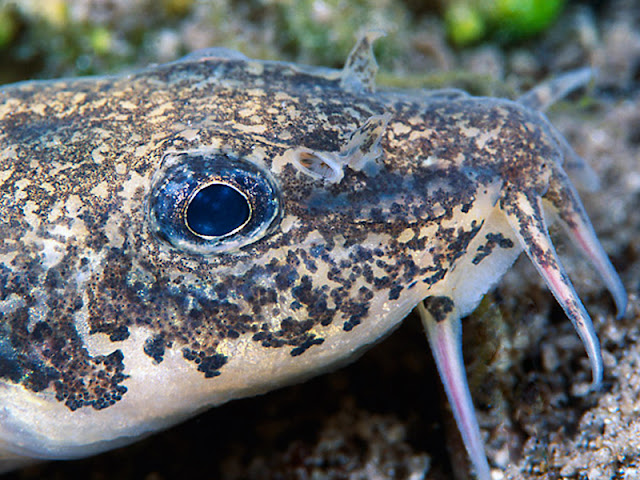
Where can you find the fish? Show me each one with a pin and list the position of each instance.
(218, 227)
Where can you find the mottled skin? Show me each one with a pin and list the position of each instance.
(112, 328)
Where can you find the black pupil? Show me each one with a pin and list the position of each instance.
(217, 210)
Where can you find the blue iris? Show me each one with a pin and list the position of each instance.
(217, 210)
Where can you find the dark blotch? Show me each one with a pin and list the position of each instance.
(436, 277)
(394, 293)
(119, 334)
(211, 365)
(306, 345)
(9, 362)
(439, 307)
(154, 347)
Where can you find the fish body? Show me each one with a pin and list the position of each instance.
(217, 227)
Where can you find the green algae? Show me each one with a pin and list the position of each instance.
(9, 25)
(470, 21)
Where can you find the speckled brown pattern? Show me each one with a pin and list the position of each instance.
(81, 259)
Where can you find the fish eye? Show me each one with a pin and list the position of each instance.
(217, 210)
(212, 202)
